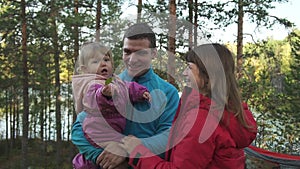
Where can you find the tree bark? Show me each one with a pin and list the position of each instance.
(54, 14)
(6, 123)
(195, 22)
(190, 2)
(76, 45)
(139, 11)
(171, 44)
(239, 56)
(98, 20)
(24, 163)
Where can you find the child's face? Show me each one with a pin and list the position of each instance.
(101, 65)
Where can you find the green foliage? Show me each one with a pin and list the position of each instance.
(108, 81)
(271, 68)
(267, 67)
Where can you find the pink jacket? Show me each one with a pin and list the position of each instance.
(105, 120)
(222, 149)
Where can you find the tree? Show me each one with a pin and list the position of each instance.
(239, 55)
(266, 66)
(56, 54)
(25, 87)
(292, 88)
(230, 12)
(190, 19)
(139, 11)
(171, 41)
(98, 20)
(258, 13)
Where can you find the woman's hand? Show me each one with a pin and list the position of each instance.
(130, 142)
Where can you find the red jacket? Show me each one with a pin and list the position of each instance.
(220, 145)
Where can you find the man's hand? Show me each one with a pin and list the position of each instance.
(112, 156)
(130, 142)
(123, 165)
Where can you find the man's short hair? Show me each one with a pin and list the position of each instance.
(141, 31)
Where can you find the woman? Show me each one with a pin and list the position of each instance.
(211, 126)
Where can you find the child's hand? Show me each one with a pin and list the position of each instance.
(147, 96)
(109, 90)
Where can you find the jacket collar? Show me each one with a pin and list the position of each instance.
(191, 98)
(141, 79)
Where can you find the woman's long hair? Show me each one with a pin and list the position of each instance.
(217, 69)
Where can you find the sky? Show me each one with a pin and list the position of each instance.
(289, 10)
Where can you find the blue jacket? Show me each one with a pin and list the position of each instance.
(148, 121)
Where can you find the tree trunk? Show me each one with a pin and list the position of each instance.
(25, 116)
(190, 2)
(76, 32)
(42, 95)
(13, 120)
(98, 20)
(54, 14)
(239, 56)
(171, 44)
(139, 11)
(195, 22)
(18, 114)
(76, 44)
(6, 123)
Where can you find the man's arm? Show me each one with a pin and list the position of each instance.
(158, 143)
(89, 151)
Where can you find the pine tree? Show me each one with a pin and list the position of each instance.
(293, 91)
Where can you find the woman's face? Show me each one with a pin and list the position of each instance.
(192, 76)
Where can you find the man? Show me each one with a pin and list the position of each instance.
(149, 122)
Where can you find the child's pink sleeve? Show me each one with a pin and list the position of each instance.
(136, 91)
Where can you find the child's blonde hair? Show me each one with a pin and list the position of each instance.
(91, 50)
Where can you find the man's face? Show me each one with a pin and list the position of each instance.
(137, 56)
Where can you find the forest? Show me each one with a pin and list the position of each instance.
(40, 42)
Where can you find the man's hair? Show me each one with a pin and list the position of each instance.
(141, 31)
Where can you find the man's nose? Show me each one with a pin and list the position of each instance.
(133, 57)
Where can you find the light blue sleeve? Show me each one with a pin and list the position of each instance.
(89, 151)
(157, 144)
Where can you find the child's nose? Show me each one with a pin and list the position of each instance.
(102, 63)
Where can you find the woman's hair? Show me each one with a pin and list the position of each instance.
(217, 69)
(91, 50)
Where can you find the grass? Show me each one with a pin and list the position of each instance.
(41, 154)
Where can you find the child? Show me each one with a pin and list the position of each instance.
(212, 126)
(102, 95)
